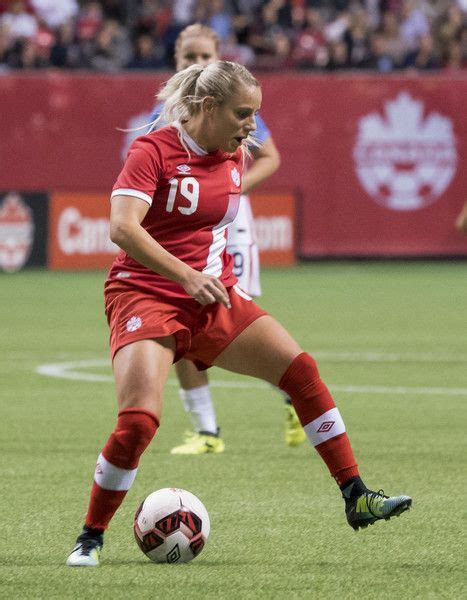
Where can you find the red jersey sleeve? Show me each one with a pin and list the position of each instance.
(141, 171)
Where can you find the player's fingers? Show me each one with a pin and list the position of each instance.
(221, 293)
(205, 297)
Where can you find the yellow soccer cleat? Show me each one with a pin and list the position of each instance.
(200, 443)
(369, 507)
(294, 433)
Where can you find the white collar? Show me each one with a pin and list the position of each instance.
(189, 141)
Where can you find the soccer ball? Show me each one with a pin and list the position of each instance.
(171, 526)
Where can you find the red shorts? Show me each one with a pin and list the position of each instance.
(201, 332)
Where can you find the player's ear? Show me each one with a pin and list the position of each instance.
(208, 104)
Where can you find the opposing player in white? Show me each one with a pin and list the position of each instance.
(199, 44)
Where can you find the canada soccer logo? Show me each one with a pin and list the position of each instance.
(16, 233)
(405, 159)
(133, 324)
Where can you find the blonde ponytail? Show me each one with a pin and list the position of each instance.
(184, 92)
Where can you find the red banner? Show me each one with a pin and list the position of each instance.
(376, 160)
(79, 230)
(275, 224)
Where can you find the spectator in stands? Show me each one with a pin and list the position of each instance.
(89, 23)
(66, 52)
(244, 15)
(373, 11)
(4, 48)
(394, 44)
(147, 54)
(424, 58)
(268, 39)
(379, 59)
(334, 30)
(463, 43)
(19, 23)
(357, 38)
(54, 13)
(338, 56)
(310, 49)
(218, 18)
(116, 10)
(269, 34)
(231, 50)
(112, 49)
(414, 24)
(27, 56)
(43, 41)
(183, 13)
(454, 60)
(450, 27)
(154, 17)
(283, 10)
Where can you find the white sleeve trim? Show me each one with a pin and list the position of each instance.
(135, 193)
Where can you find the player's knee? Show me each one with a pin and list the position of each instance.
(133, 433)
(302, 371)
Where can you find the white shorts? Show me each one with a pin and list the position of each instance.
(242, 245)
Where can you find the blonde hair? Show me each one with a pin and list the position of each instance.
(184, 92)
(195, 31)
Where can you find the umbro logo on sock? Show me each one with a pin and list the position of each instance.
(325, 426)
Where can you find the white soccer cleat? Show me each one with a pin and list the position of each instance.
(86, 551)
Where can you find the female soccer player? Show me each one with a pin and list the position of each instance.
(171, 292)
(199, 44)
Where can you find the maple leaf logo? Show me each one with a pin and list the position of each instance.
(405, 159)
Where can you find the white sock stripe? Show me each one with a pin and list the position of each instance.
(110, 477)
(325, 427)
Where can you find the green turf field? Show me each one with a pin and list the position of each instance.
(390, 339)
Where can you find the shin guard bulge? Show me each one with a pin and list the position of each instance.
(117, 464)
(319, 416)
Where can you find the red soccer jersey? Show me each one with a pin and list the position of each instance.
(192, 200)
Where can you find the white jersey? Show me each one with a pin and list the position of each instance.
(242, 245)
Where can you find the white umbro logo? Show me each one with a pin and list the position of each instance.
(235, 176)
(133, 324)
(183, 169)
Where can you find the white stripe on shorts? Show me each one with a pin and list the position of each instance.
(325, 427)
(241, 293)
(110, 477)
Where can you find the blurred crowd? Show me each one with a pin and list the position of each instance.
(318, 35)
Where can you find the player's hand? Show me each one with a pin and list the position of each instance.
(206, 289)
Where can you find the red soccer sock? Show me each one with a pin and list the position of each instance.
(117, 464)
(319, 417)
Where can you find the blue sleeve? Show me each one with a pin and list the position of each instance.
(156, 111)
(262, 132)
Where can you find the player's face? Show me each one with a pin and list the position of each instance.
(235, 119)
(196, 51)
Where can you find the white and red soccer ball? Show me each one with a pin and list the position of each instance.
(171, 526)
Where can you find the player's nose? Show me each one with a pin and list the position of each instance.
(251, 124)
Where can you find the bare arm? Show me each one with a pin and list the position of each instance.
(461, 221)
(266, 162)
(126, 215)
